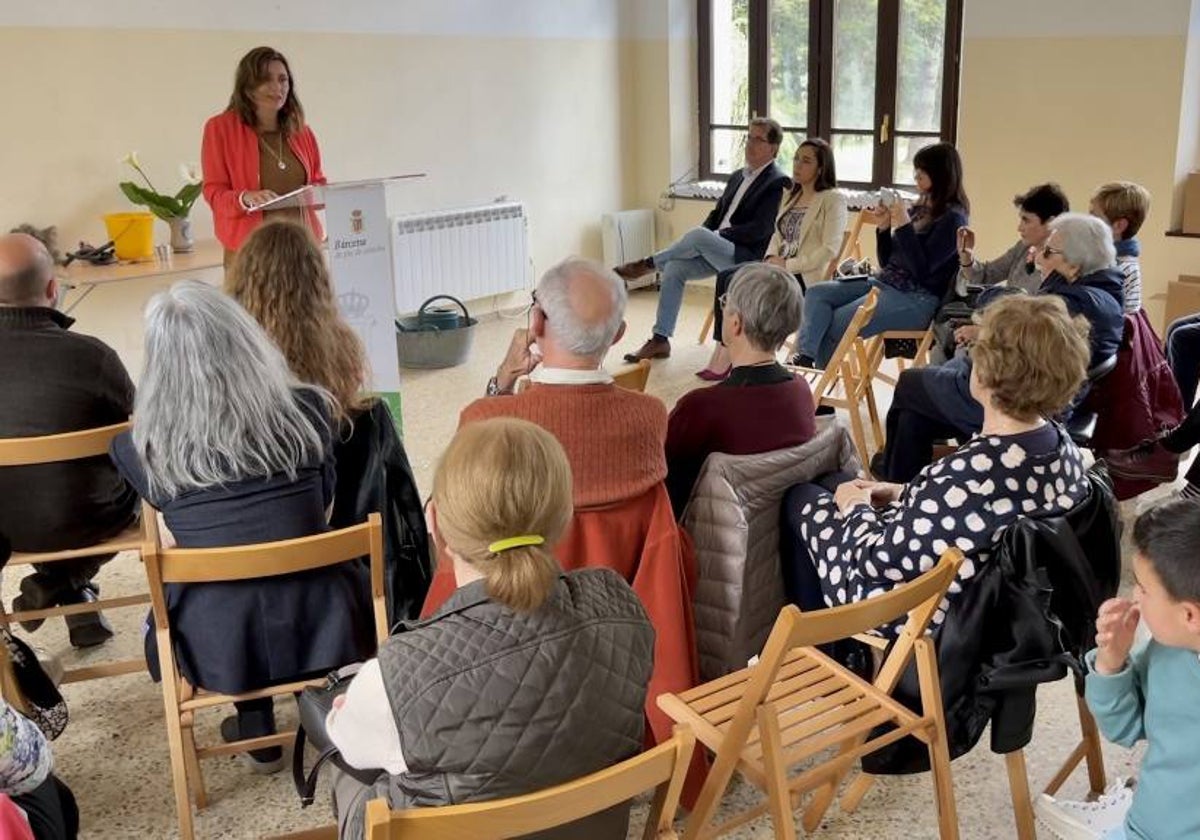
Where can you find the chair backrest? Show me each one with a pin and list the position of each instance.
(262, 560)
(662, 768)
(633, 377)
(849, 352)
(69, 446)
(851, 241)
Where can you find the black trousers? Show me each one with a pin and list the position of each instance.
(51, 809)
(801, 583)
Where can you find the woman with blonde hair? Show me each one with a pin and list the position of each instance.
(526, 677)
(279, 276)
(866, 537)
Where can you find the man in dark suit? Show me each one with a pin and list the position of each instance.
(738, 230)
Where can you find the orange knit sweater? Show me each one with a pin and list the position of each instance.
(613, 437)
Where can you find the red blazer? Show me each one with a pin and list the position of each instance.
(229, 157)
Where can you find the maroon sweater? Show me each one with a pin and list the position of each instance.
(757, 409)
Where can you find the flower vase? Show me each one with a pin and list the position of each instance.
(181, 235)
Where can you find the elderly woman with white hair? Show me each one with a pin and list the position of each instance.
(1078, 264)
(760, 406)
(233, 450)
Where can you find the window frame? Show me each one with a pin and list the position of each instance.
(820, 75)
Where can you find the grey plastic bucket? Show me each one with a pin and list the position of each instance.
(436, 337)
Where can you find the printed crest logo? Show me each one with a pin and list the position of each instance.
(353, 305)
(356, 222)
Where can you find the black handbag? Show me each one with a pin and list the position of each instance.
(314, 704)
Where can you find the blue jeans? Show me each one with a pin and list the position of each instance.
(1183, 354)
(829, 308)
(699, 253)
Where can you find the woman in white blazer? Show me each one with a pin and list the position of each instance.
(808, 234)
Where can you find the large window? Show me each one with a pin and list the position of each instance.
(877, 78)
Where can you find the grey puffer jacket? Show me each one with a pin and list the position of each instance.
(491, 703)
(733, 519)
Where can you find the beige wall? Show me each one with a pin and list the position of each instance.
(536, 119)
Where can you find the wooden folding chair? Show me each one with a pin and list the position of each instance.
(851, 241)
(796, 703)
(73, 446)
(1088, 749)
(876, 351)
(662, 768)
(244, 562)
(846, 380)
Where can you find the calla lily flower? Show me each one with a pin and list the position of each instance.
(132, 160)
(190, 173)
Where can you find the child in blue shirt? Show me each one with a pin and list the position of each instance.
(1124, 205)
(1151, 693)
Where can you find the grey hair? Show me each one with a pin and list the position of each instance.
(1085, 241)
(579, 336)
(215, 403)
(769, 301)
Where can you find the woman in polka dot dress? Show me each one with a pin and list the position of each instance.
(866, 537)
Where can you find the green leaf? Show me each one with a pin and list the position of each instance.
(164, 207)
(187, 196)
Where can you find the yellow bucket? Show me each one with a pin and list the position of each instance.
(132, 234)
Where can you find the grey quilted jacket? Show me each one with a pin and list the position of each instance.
(491, 703)
(733, 519)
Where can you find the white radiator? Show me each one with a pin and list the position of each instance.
(628, 236)
(470, 253)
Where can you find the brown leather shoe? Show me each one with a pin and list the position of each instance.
(657, 347)
(634, 270)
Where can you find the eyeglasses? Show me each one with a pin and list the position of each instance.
(754, 138)
(1048, 252)
(723, 300)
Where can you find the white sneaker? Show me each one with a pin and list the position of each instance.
(1085, 820)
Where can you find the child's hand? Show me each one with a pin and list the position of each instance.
(1115, 626)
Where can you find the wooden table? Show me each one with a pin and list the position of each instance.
(84, 277)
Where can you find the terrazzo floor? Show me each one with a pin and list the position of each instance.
(114, 752)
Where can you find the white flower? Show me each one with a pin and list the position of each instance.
(190, 173)
(132, 159)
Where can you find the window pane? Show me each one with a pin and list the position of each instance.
(730, 62)
(789, 62)
(919, 74)
(728, 150)
(853, 154)
(856, 25)
(787, 149)
(905, 148)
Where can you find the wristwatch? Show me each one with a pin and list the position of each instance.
(494, 389)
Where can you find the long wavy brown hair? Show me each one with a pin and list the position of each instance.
(279, 277)
(251, 72)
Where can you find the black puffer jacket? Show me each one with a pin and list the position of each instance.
(1025, 619)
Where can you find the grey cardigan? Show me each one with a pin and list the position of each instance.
(1008, 268)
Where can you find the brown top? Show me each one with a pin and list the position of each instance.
(280, 181)
(613, 437)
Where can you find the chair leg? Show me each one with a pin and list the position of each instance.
(779, 799)
(714, 787)
(939, 752)
(192, 761)
(704, 330)
(179, 780)
(1018, 787)
(857, 433)
(1092, 752)
(855, 792)
(873, 413)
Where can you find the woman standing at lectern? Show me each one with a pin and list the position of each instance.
(257, 149)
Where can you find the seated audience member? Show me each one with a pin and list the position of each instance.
(1014, 268)
(56, 381)
(1146, 691)
(613, 436)
(736, 231)
(1124, 206)
(279, 277)
(1183, 354)
(1076, 264)
(807, 238)
(866, 537)
(26, 779)
(916, 248)
(231, 454)
(526, 677)
(761, 406)
(1145, 459)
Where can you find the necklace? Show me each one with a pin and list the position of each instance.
(277, 155)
